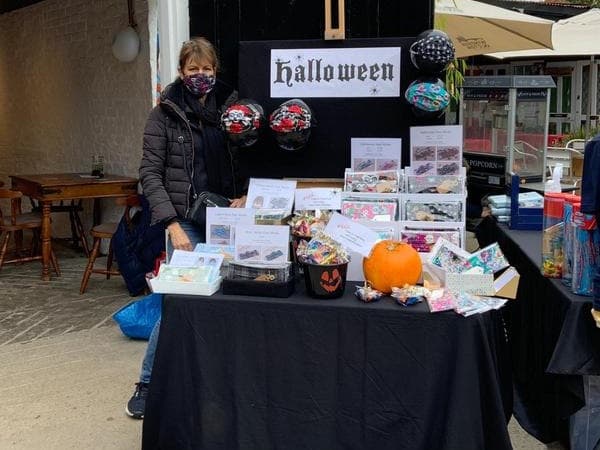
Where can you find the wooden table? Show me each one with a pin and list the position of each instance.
(47, 188)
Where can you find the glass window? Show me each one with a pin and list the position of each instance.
(485, 120)
(530, 142)
(585, 90)
(553, 98)
(566, 94)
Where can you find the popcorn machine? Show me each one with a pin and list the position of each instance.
(505, 129)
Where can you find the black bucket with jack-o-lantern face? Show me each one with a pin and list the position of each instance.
(325, 281)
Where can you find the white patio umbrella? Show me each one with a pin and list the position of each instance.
(576, 36)
(477, 28)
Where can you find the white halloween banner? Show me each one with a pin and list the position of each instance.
(335, 72)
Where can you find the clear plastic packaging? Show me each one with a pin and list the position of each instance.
(552, 235)
(567, 243)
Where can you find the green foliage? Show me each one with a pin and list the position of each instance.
(593, 3)
(455, 75)
(580, 133)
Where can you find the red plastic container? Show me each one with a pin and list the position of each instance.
(553, 208)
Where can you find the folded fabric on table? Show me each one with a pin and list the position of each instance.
(526, 200)
(499, 201)
(499, 211)
(531, 200)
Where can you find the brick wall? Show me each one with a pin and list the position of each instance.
(63, 95)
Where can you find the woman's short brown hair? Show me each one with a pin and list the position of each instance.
(198, 48)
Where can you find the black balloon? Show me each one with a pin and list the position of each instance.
(432, 51)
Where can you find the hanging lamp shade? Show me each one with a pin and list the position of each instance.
(126, 45)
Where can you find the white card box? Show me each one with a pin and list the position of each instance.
(434, 198)
(355, 266)
(471, 283)
(410, 172)
(415, 225)
(376, 196)
(159, 286)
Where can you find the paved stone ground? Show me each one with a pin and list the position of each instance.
(66, 369)
(68, 392)
(31, 309)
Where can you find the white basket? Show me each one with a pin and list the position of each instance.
(182, 287)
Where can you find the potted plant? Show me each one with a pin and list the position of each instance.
(580, 133)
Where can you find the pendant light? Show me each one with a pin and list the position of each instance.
(126, 43)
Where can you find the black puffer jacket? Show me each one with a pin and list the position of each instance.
(168, 155)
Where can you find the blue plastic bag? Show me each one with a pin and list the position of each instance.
(137, 319)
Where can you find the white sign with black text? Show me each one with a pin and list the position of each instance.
(266, 193)
(352, 235)
(335, 72)
(436, 150)
(318, 198)
(221, 223)
(262, 243)
(371, 154)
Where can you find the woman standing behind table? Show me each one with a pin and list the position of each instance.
(185, 153)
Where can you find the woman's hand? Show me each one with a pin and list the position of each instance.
(179, 238)
(238, 202)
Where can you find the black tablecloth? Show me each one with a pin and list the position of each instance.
(552, 336)
(234, 372)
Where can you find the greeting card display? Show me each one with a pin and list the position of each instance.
(375, 154)
(472, 283)
(435, 184)
(450, 211)
(271, 194)
(441, 300)
(226, 250)
(423, 240)
(221, 224)
(313, 199)
(262, 244)
(436, 150)
(271, 216)
(490, 259)
(382, 182)
(448, 257)
(370, 209)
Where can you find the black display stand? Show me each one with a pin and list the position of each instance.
(338, 119)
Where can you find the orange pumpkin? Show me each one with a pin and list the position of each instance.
(392, 264)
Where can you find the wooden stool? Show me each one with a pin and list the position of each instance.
(99, 232)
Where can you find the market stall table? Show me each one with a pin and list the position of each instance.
(238, 372)
(47, 188)
(553, 340)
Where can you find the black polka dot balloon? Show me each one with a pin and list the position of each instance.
(432, 51)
